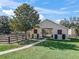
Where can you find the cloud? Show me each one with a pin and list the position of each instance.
(9, 3)
(8, 12)
(13, 4)
(64, 8)
(45, 3)
(0, 7)
(41, 17)
(52, 14)
(58, 21)
(32, 1)
(77, 11)
(50, 11)
(71, 2)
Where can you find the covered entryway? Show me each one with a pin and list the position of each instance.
(47, 32)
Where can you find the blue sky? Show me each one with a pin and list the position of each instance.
(50, 9)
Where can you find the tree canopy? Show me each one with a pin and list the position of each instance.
(26, 17)
(4, 25)
(71, 23)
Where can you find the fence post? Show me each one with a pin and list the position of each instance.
(17, 38)
(9, 39)
(23, 37)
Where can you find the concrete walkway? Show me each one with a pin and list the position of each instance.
(24, 47)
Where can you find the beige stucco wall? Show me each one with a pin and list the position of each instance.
(49, 24)
(32, 32)
(71, 32)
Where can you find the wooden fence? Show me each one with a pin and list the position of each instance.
(12, 38)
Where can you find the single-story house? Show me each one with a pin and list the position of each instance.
(48, 28)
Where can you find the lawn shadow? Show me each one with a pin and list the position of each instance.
(70, 40)
(58, 45)
(26, 42)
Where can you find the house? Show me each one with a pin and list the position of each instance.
(48, 28)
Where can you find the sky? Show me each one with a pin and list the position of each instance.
(54, 10)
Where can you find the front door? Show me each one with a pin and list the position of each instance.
(63, 36)
(56, 36)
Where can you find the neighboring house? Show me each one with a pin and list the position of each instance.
(48, 28)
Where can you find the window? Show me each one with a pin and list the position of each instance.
(35, 31)
(59, 31)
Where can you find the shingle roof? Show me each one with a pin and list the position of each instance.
(54, 23)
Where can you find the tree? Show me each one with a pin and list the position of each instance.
(65, 22)
(13, 24)
(26, 17)
(73, 22)
(76, 26)
(4, 25)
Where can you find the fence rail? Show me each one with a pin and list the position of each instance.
(12, 38)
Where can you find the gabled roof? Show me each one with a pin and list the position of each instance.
(53, 23)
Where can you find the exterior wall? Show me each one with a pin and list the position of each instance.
(40, 32)
(71, 32)
(49, 24)
(29, 34)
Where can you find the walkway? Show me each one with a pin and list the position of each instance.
(24, 47)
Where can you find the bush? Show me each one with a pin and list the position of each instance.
(74, 39)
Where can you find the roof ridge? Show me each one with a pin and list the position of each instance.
(53, 22)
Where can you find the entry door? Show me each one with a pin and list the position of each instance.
(63, 36)
(56, 36)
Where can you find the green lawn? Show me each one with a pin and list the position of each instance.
(4, 47)
(47, 50)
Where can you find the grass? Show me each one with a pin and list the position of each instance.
(47, 50)
(60, 45)
(4, 47)
(26, 42)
